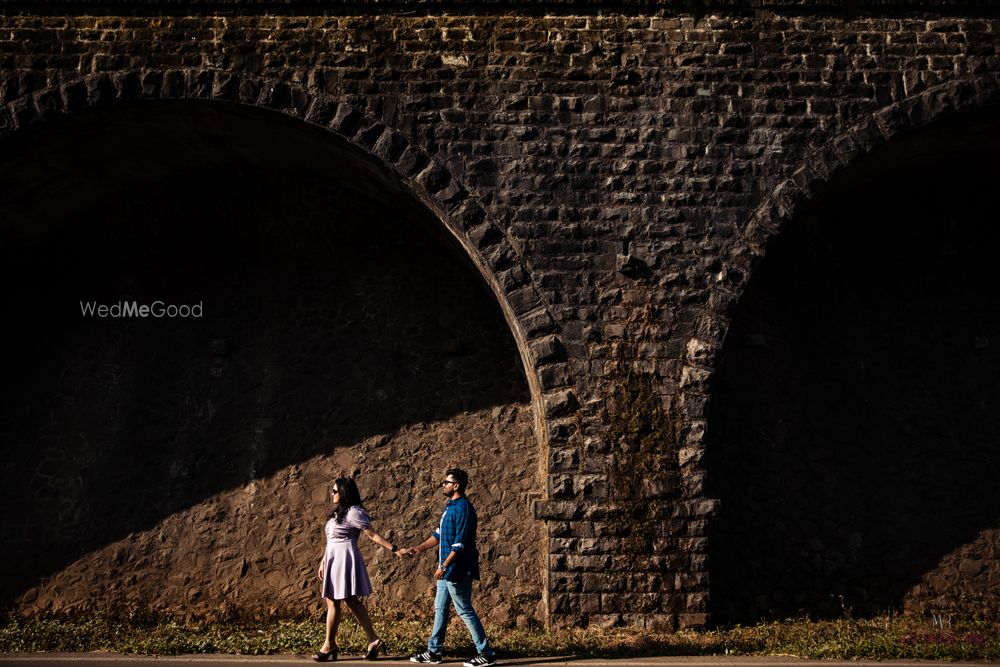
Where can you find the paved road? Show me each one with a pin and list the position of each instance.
(113, 660)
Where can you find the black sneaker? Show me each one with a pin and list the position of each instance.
(430, 658)
(481, 661)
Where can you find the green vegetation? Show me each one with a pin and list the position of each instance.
(643, 436)
(886, 637)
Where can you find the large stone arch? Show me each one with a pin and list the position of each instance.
(837, 155)
(490, 249)
(889, 134)
(787, 198)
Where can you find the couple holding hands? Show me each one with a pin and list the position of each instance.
(345, 577)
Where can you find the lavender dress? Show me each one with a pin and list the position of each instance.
(344, 571)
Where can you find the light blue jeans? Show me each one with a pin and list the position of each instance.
(458, 593)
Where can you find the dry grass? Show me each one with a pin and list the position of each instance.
(887, 637)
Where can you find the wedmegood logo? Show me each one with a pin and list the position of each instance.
(123, 309)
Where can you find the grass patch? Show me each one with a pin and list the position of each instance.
(882, 638)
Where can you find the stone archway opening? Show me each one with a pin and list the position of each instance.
(852, 434)
(182, 464)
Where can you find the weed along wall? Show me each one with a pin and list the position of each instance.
(701, 301)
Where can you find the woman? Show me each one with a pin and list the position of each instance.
(343, 571)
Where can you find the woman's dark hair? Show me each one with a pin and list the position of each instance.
(347, 497)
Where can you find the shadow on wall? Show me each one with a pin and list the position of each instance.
(331, 313)
(855, 413)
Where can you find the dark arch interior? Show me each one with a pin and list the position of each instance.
(854, 417)
(334, 308)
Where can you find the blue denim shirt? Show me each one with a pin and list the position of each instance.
(457, 533)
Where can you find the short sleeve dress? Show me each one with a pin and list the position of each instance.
(344, 571)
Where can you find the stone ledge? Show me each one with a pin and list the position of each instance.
(536, 7)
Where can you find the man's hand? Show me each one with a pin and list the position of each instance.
(408, 553)
(439, 574)
(319, 572)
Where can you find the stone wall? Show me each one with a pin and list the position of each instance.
(851, 419)
(613, 176)
(184, 465)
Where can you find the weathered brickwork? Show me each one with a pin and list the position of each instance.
(851, 412)
(613, 177)
(183, 465)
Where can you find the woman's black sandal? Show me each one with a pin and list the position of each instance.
(373, 650)
(324, 656)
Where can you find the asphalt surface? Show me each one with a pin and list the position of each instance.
(114, 660)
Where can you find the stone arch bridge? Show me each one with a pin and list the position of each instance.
(705, 303)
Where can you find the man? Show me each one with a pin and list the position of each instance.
(457, 566)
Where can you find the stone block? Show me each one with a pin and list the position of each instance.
(699, 351)
(566, 619)
(200, 84)
(566, 583)
(525, 300)
(560, 487)
(694, 377)
(537, 322)
(563, 604)
(588, 603)
(23, 112)
(548, 510)
(390, 146)
(433, 178)
(226, 86)
(100, 90)
(451, 196)
(562, 545)
(605, 620)
(554, 375)
(696, 602)
(602, 582)
(563, 459)
(74, 96)
(557, 528)
(347, 121)
(692, 621)
(591, 486)
(547, 349)
(560, 403)
(48, 102)
(660, 622)
(588, 563)
(249, 90)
